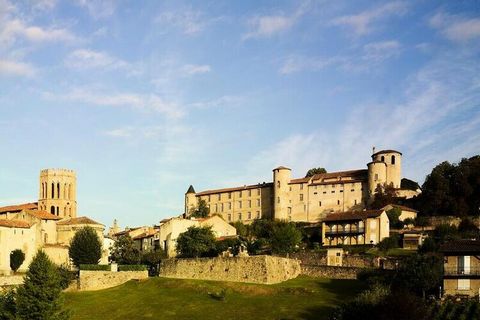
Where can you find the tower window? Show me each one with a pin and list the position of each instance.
(52, 210)
(376, 176)
(319, 203)
(278, 184)
(383, 159)
(53, 190)
(58, 190)
(338, 201)
(393, 159)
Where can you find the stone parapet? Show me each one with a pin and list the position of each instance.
(255, 269)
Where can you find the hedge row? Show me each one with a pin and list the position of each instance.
(132, 267)
(95, 267)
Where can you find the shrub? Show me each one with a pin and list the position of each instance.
(224, 245)
(124, 251)
(196, 242)
(66, 276)
(388, 243)
(95, 267)
(16, 259)
(132, 267)
(152, 260)
(40, 295)
(429, 245)
(85, 247)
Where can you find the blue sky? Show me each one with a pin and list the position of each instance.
(144, 98)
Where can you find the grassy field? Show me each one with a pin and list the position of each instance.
(160, 298)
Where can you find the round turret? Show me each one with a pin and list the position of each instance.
(190, 201)
(377, 174)
(281, 178)
(393, 162)
(58, 192)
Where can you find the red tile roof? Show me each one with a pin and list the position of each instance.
(353, 215)
(299, 180)
(19, 207)
(15, 224)
(42, 214)
(253, 186)
(79, 220)
(360, 174)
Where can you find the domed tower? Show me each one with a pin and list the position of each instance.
(190, 200)
(58, 192)
(393, 162)
(281, 178)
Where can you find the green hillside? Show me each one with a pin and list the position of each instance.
(160, 298)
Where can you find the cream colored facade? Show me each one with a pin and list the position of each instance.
(57, 192)
(305, 199)
(48, 224)
(170, 230)
(355, 228)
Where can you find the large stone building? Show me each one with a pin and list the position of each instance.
(48, 224)
(308, 199)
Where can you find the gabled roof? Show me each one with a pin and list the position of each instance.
(353, 215)
(191, 189)
(401, 207)
(79, 220)
(15, 224)
(19, 207)
(42, 214)
(460, 247)
(145, 235)
(253, 186)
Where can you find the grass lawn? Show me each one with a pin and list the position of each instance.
(161, 298)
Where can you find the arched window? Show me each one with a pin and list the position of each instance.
(65, 191)
(70, 191)
(52, 210)
(393, 159)
(383, 159)
(58, 190)
(58, 211)
(53, 190)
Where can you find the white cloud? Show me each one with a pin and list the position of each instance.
(270, 25)
(380, 51)
(12, 29)
(361, 23)
(143, 102)
(192, 69)
(98, 8)
(226, 100)
(456, 28)
(15, 68)
(297, 63)
(86, 59)
(188, 20)
(44, 5)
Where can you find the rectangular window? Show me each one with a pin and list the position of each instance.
(258, 214)
(249, 216)
(239, 194)
(229, 195)
(341, 191)
(208, 198)
(338, 201)
(304, 208)
(229, 206)
(215, 208)
(240, 204)
(229, 217)
(249, 203)
(314, 193)
(221, 207)
(333, 191)
(301, 197)
(319, 203)
(219, 197)
(324, 192)
(258, 202)
(301, 186)
(376, 176)
(278, 199)
(355, 201)
(352, 190)
(463, 284)
(249, 192)
(289, 210)
(240, 216)
(258, 192)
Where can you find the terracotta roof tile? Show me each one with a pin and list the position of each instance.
(253, 186)
(79, 220)
(356, 174)
(353, 215)
(19, 207)
(461, 246)
(42, 214)
(15, 224)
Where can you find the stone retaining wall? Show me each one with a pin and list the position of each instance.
(11, 281)
(254, 269)
(331, 272)
(98, 280)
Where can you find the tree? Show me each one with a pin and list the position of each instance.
(85, 247)
(8, 305)
(393, 217)
(468, 229)
(39, 298)
(202, 210)
(16, 259)
(419, 274)
(314, 171)
(285, 237)
(152, 260)
(384, 194)
(389, 243)
(195, 242)
(124, 251)
(421, 221)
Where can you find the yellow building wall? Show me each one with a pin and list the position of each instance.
(16, 238)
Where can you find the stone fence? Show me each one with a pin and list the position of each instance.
(331, 272)
(98, 280)
(254, 269)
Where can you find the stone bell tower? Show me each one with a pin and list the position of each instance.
(58, 192)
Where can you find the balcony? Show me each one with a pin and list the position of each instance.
(352, 231)
(455, 272)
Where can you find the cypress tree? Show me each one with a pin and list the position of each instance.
(85, 247)
(40, 296)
